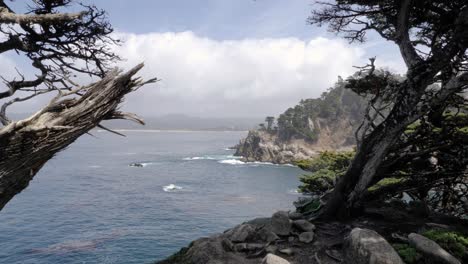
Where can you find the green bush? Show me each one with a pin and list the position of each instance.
(325, 169)
(408, 253)
(454, 242)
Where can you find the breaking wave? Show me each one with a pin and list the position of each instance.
(171, 188)
(231, 161)
(212, 157)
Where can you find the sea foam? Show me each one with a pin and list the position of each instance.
(231, 161)
(171, 187)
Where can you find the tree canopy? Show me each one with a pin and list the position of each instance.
(58, 46)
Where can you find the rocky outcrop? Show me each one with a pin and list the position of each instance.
(431, 249)
(364, 246)
(262, 240)
(264, 146)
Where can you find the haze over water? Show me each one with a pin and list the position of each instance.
(87, 205)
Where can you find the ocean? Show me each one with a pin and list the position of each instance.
(87, 205)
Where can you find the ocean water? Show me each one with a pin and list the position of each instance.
(87, 205)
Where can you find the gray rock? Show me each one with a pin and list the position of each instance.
(265, 234)
(364, 246)
(227, 244)
(306, 237)
(210, 250)
(304, 225)
(260, 222)
(243, 247)
(291, 239)
(295, 216)
(280, 223)
(271, 249)
(431, 249)
(273, 259)
(287, 251)
(240, 233)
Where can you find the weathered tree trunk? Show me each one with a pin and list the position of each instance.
(26, 145)
(370, 156)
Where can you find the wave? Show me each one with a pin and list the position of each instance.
(171, 187)
(253, 163)
(231, 161)
(212, 157)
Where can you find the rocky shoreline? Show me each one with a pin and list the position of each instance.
(289, 237)
(265, 146)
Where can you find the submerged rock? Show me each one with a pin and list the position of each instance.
(364, 246)
(280, 223)
(431, 249)
(273, 259)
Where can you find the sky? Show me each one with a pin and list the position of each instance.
(228, 58)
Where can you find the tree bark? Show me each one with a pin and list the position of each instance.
(371, 154)
(26, 145)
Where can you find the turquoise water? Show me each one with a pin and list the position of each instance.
(87, 205)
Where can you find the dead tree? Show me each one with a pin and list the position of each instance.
(433, 38)
(59, 45)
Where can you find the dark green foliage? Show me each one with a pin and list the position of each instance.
(408, 253)
(303, 120)
(454, 242)
(269, 120)
(325, 169)
(306, 205)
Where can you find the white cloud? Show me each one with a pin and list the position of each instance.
(206, 77)
(201, 76)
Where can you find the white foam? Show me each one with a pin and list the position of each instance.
(171, 187)
(199, 158)
(212, 157)
(231, 161)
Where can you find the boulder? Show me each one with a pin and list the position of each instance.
(271, 249)
(364, 246)
(240, 233)
(260, 222)
(306, 237)
(431, 249)
(227, 244)
(280, 223)
(295, 216)
(206, 250)
(304, 225)
(273, 259)
(265, 234)
(243, 247)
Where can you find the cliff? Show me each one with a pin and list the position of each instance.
(314, 125)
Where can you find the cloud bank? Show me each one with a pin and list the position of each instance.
(231, 78)
(251, 77)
